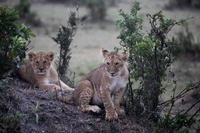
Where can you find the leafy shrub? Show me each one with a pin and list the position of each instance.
(64, 38)
(150, 56)
(14, 39)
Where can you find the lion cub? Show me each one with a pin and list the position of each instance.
(103, 86)
(40, 72)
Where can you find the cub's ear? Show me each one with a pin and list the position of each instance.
(31, 55)
(50, 55)
(124, 56)
(104, 52)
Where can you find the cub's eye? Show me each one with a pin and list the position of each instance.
(44, 62)
(108, 63)
(116, 64)
(37, 62)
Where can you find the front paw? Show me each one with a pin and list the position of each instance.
(56, 87)
(70, 90)
(120, 111)
(60, 95)
(53, 88)
(95, 109)
(110, 116)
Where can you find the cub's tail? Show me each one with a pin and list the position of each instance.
(65, 97)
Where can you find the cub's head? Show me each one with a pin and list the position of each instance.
(41, 61)
(114, 62)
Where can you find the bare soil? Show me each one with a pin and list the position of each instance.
(54, 116)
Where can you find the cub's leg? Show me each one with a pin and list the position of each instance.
(51, 87)
(66, 87)
(65, 98)
(83, 95)
(111, 114)
(23, 72)
(117, 99)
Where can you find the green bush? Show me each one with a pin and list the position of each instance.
(14, 39)
(63, 39)
(150, 56)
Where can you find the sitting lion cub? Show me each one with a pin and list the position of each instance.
(40, 72)
(103, 86)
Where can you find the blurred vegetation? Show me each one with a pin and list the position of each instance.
(60, 1)
(24, 9)
(14, 39)
(97, 9)
(187, 44)
(183, 3)
(150, 56)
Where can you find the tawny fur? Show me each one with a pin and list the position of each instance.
(40, 72)
(103, 86)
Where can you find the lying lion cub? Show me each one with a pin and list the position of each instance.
(40, 72)
(103, 86)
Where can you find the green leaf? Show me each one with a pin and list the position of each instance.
(37, 106)
(36, 118)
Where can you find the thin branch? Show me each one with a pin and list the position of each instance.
(195, 114)
(182, 93)
(192, 107)
(172, 100)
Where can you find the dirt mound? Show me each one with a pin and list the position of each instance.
(40, 111)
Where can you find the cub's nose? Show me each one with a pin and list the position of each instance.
(41, 69)
(112, 74)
